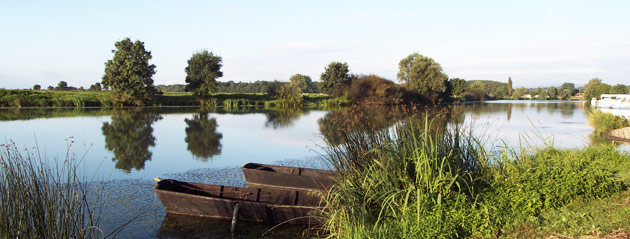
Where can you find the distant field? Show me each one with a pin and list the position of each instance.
(77, 99)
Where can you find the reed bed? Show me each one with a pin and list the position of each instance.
(427, 177)
(43, 200)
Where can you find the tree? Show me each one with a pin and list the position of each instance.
(334, 77)
(129, 73)
(62, 85)
(565, 94)
(519, 92)
(50, 87)
(303, 82)
(509, 87)
(594, 88)
(552, 92)
(569, 86)
(96, 87)
(457, 85)
(37, 87)
(202, 72)
(619, 89)
(423, 75)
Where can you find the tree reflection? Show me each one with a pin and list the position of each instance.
(277, 119)
(129, 136)
(336, 126)
(202, 137)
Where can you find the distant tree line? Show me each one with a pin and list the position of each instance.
(129, 77)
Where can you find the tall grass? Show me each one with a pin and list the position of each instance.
(428, 178)
(603, 122)
(40, 200)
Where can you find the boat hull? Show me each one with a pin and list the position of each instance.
(255, 204)
(262, 175)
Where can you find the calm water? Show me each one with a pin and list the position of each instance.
(129, 147)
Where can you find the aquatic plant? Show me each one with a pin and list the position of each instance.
(427, 177)
(39, 199)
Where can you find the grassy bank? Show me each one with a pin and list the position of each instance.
(427, 178)
(39, 200)
(78, 99)
(603, 122)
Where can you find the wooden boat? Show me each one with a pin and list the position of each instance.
(263, 175)
(255, 204)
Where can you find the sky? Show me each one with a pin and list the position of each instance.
(536, 43)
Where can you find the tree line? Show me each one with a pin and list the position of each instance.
(129, 77)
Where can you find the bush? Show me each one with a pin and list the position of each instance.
(373, 89)
(604, 122)
(427, 178)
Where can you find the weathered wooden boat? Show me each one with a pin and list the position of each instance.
(263, 175)
(251, 204)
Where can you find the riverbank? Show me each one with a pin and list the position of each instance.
(426, 179)
(620, 135)
(83, 99)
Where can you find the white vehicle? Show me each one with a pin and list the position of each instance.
(612, 101)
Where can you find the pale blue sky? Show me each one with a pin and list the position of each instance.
(537, 43)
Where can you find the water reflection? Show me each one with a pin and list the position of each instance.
(202, 137)
(278, 119)
(335, 126)
(182, 226)
(129, 136)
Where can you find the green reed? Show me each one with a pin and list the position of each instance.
(603, 122)
(43, 200)
(426, 177)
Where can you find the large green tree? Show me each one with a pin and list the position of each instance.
(303, 82)
(594, 88)
(423, 75)
(129, 73)
(202, 72)
(619, 89)
(336, 75)
(62, 85)
(457, 86)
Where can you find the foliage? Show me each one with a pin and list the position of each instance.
(129, 136)
(519, 92)
(603, 122)
(29, 98)
(423, 75)
(424, 178)
(552, 92)
(129, 73)
(619, 89)
(202, 72)
(96, 87)
(509, 87)
(304, 83)
(62, 85)
(37, 87)
(202, 137)
(569, 86)
(457, 86)
(334, 77)
(40, 200)
(372, 89)
(595, 88)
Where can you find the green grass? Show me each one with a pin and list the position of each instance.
(42, 200)
(603, 122)
(426, 178)
(79, 99)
